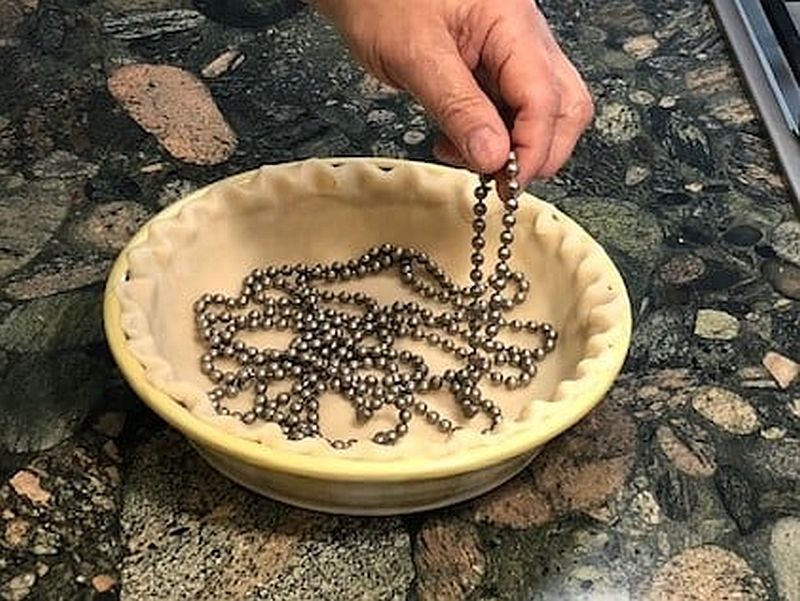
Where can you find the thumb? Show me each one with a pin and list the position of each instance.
(442, 83)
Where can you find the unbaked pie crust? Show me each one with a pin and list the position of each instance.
(321, 211)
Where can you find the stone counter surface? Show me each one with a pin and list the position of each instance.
(684, 484)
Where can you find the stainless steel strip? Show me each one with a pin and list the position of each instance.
(778, 70)
(787, 34)
(786, 144)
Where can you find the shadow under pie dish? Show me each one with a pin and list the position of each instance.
(324, 211)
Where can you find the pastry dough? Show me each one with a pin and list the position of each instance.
(318, 211)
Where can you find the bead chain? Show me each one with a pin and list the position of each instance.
(344, 342)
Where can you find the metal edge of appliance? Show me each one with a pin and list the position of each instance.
(787, 145)
(775, 64)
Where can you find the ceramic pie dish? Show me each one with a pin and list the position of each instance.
(327, 210)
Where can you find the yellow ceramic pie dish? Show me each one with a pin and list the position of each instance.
(326, 210)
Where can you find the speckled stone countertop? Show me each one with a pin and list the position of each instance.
(682, 485)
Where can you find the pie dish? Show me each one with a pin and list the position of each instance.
(326, 210)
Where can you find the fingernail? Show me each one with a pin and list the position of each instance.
(480, 145)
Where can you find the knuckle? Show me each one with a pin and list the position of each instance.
(406, 58)
(580, 110)
(544, 99)
(455, 106)
(411, 53)
(389, 51)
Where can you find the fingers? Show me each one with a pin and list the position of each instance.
(550, 103)
(576, 109)
(575, 114)
(437, 76)
(522, 67)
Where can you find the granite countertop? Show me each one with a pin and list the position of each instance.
(682, 485)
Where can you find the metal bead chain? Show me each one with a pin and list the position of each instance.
(344, 342)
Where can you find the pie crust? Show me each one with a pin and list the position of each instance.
(326, 210)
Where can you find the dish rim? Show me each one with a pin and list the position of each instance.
(334, 468)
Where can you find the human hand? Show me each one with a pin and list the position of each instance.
(482, 68)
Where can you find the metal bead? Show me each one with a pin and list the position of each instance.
(499, 283)
(512, 169)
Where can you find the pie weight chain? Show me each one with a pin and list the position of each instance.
(344, 342)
